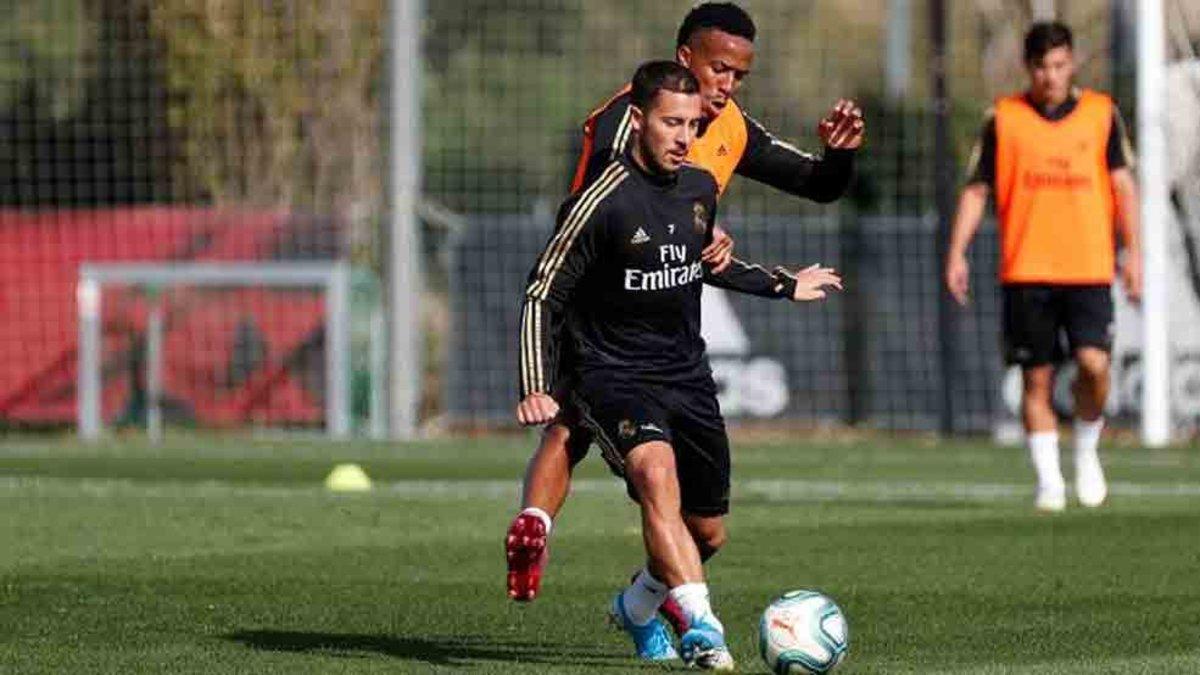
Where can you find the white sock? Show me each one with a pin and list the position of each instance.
(1087, 437)
(643, 598)
(1043, 450)
(693, 600)
(545, 517)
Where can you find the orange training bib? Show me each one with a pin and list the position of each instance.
(1054, 194)
(720, 149)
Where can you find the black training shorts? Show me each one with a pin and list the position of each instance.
(623, 415)
(1039, 317)
(580, 435)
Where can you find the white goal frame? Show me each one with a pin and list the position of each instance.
(333, 279)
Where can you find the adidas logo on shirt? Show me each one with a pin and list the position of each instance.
(640, 237)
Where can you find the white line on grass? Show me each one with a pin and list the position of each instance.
(788, 490)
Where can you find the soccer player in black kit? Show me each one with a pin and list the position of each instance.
(715, 42)
(620, 282)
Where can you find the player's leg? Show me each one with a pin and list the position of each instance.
(1091, 384)
(1041, 434)
(1089, 331)
(702, 458)
(1091, 391)
(547, 483)
(672, 558)
(710, 535)
(621, 419)
(525, 545)
(1037, 399)
(1030, 323)
(672, 554)
(548, 474)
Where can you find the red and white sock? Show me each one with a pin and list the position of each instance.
(693, 599)
(541, 515)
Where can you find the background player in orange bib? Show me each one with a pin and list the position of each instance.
(716, 43)
(1059, 163)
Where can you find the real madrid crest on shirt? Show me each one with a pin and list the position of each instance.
(626, 428)
(699, 217)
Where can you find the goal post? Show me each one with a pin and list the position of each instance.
(1155, 209)
(331, 281)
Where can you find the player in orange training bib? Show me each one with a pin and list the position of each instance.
(1058, 161)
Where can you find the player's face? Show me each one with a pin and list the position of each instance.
(666, 130)
(1050, 78)
(720, 61)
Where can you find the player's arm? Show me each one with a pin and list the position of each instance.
(564, 260)
(1120, 166)
(743, 277)
(810, 283)
(752, 279)
(972, 201)
(774, 162)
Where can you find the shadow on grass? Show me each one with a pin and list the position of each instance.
(433, 649)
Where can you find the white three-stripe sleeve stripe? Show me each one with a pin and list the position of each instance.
(561, 244)
(526, 344)
(532, 374)
(572, 228)
(622, 134)
(533, 365)
(539, 372)
(555, 242)
(777, 142)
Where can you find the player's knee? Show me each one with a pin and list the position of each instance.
(1037, 385)
(555, 438)
(651, 478)
(711, 543)
(1037, 378)
(709, 534)
(1093, 364)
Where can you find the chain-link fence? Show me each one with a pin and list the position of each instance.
(873, 356)
(220, 131)
(169, 132)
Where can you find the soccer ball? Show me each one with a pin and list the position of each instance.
(803, 632)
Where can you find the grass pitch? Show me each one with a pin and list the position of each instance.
(219, 555)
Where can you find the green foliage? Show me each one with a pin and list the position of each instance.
(43, 45)
(276, 103)
(280, 104)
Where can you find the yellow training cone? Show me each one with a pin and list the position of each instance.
(348, 478)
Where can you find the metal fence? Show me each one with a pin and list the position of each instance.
(133, 130)
(864, 358)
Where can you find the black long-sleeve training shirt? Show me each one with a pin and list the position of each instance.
(732, 143)
(625, 257)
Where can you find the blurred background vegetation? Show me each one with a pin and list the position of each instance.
(278, 104)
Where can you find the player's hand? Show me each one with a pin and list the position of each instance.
(719, 253)
(536, 409)
(958, 278)
(1131, 276)
(843, 128)
(813, 282)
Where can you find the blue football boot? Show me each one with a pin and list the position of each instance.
(703, 646)
(652, 641)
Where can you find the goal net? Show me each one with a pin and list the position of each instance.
(214, 345)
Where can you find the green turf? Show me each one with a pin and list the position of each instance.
(226, 556)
